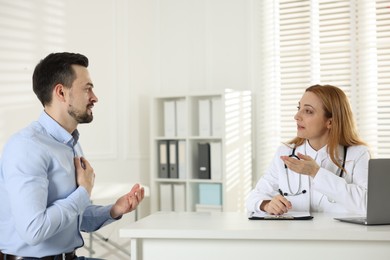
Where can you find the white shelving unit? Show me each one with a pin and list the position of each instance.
(230, 125)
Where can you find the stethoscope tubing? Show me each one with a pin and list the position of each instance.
(299, 191)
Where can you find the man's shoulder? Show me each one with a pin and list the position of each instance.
(30, 134)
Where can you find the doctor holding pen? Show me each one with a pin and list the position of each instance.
(324, 168)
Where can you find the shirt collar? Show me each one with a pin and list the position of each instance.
(53, 128)
(313, 153)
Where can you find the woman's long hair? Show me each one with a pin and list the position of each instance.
(343, 131)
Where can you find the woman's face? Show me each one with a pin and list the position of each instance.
(311, 121)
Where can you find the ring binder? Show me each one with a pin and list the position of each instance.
(173, 152)
(204, 161)
(163, 159)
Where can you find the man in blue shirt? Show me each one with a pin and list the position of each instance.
(45, 182)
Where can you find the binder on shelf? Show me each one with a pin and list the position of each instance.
(179, 197)
(194, 119)
(181, 117)
(169, 118)
(210, 194)
(173, 149)
(203, 160)
(217, 117)
(166, 198)
(204, 117)
(216, 161)
(163, 171)
(182, 159)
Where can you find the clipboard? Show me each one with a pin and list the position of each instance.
(281, 217)
(292, 215)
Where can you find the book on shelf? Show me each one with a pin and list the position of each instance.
(216, 161)
(203, 160)
(163, 159)
(204, 117)
(210, 193)
(179, 197)
(181, 117)
(166, 197)
(182, 159)
(173, 152)
(172, 159)
(217, 117)
(169, 118)
(172, 197)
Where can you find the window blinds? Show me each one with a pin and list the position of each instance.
(344, 43)
(383, 63)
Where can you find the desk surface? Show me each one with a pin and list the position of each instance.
(231, 225)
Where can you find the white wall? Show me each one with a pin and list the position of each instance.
(137, 49)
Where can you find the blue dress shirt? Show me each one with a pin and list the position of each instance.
(41, 208)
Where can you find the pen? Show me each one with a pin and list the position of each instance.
(280, 192)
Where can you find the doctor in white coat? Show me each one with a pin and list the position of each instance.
(324, 168)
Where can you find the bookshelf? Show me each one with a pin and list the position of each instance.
(217, 126)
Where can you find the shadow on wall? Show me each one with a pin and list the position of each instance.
(27, 30)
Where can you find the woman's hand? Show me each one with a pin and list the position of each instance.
(279, 205)
(306, 165)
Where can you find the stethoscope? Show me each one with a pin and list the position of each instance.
(299, 190)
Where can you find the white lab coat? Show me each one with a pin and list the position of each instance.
(326, 192)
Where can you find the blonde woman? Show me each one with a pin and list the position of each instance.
(324, 168)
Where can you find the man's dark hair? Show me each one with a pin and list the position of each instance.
(55, 69)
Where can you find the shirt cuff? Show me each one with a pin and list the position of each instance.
(81, 197)
(257, 207)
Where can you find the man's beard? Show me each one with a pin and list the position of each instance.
(79, 116)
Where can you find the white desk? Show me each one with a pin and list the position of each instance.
(228, 236)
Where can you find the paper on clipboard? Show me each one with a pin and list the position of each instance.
(291, 215)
